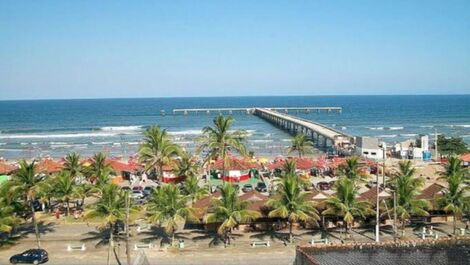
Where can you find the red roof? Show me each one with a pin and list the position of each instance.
(300, 163)
(235, 164)
(49, 166)
(6, 168)
(465, 157)
(119, 166)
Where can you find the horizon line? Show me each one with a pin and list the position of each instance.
(252, 96)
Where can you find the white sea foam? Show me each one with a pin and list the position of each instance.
(427, 126)
(3, 143)
(116, 144)
(133, 143)
(183, 142)
(464, 125)
(465, 136)
(121, 128)
(375, 128)
(408, 134)
(343, 128)
(388, 136)
(45, 136)
(286, 140)
(395, 128)
(261, 141)
(12, 150)
(187, 132)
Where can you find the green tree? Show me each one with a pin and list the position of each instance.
(192, 189)
(168, 208)
(26, 182)
(351, 169)
(64, 189)
(111, 208)
(45, 191)
(344, 203)
(454, 199)
(289, 168)
(220, 140)
(8, 218)
(301, 144)
(291, 203)
(451, 146)
(406, 186)
(229, 211)
(72, 165)
(97, 167)
(157, 149)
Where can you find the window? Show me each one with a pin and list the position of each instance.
(365, 153)
(373, 153)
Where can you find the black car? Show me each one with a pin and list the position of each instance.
(261, 187)
(33, 256)
(247, 188)
(147, 191)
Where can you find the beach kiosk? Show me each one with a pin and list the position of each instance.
(235, 169)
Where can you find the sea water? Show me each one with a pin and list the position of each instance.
(32, 128)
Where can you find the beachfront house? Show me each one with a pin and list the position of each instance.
(370, 147)
(413, 148)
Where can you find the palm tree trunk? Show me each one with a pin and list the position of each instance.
(455, 223)
(290, 232)
(36, 229)
(68, 206)
(300, 153)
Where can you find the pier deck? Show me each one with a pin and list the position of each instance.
(252, 110)
(338, 139)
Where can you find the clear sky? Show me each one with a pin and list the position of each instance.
(90, 49)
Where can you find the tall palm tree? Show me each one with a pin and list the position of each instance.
(186, 166)
(45, 192)
(291, 203)
(229, 211)
(455, 200)
(301, 144)
(111, 208)
(72, 165)
(26, 182)
(97, 166)
(64, 189)
(157, 149)
(219, 141)
(168, 208)
(406, 186)
(351, 169)
(289, 168)
(344, 203)
(192, 189)
(8, 219)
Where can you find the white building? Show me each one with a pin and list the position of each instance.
(370, 147)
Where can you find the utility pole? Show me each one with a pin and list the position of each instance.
(435, 144)
(128, 254)
(395, 215)
(377, 214)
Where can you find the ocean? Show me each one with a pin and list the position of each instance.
(38, 128)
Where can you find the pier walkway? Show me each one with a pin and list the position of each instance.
(252, 110)
(322, 135)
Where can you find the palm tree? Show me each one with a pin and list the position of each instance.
(406, 186)
(168, 208)
(45, 192)
(301, 144)
(229, 211)
(26, 182)
(289, 168)
(8, 218)
(454, 200)
(157, 149)
(72, 165)
(80, 192)
(219, 141)
(64, 189)
(188, 167)
(98, 165)
(345, 204)
(351, 169)
(291, 203)
(111, 208)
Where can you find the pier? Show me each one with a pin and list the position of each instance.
(252, 110)
(322, 135)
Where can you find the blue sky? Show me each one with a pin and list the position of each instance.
(93, 49)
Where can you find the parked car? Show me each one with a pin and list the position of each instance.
(147, 191)
(136, 188)
(261, 187)
(247, 188)
(126, 188)
(323, 185)
(32, 256)
(137, 194)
